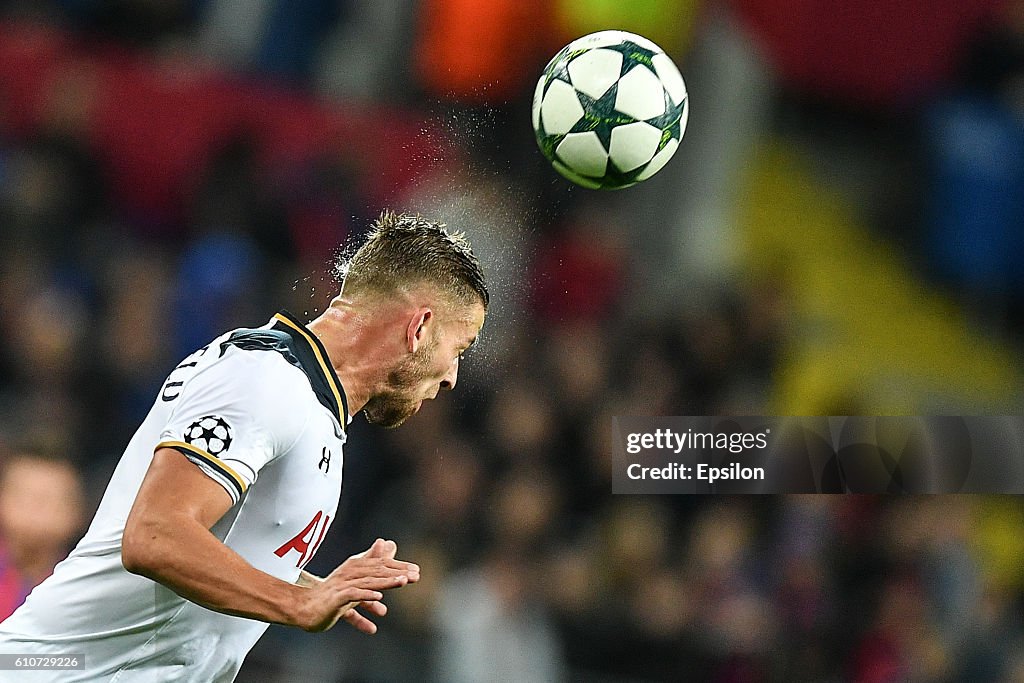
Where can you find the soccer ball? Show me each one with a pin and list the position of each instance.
(609, 110)
(210, 433)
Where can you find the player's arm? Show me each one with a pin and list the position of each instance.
(167, 539)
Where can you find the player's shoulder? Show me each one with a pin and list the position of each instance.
(261, 360)
(244, 380)
(282, 364)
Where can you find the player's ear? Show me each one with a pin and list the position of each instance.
(416, 331)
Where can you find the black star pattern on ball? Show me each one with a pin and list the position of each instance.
(558, 67)
(633, 54)
(600, 115)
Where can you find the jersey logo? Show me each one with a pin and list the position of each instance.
(172, 387)
(210, 433)
(325, 460)
(307, 541)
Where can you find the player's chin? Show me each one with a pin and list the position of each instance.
(391, 414)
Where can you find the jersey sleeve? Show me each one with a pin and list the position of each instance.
(234, 415)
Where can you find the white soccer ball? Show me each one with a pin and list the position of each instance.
(609, 110)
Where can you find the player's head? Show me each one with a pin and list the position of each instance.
(403, 252)
(436, 282)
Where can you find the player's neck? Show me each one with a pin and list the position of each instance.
(352, 339)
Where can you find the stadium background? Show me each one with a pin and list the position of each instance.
(840, 233)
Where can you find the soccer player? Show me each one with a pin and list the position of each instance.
(229, 485)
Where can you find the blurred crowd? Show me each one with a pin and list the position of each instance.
(137, 222)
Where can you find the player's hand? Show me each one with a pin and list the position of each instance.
(380, 548)
(360, 622)
(386, 550)
(358, 582)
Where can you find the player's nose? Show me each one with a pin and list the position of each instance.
(449, 380)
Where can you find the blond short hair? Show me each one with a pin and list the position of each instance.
(404, 250)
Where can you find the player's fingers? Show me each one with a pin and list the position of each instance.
(378, 566)
(386, 548)
(359, 622)
(380, 562)
(377, 549)
(380, 583)
(407, 567)
(357, 564)
(375, 607)
(413, 572)
(356, 594)
(411, 576)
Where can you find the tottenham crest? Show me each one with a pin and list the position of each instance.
(211, 433)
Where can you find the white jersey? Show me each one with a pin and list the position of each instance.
(260, 412)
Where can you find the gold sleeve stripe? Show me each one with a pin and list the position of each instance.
(211, 460)
(328, 371)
